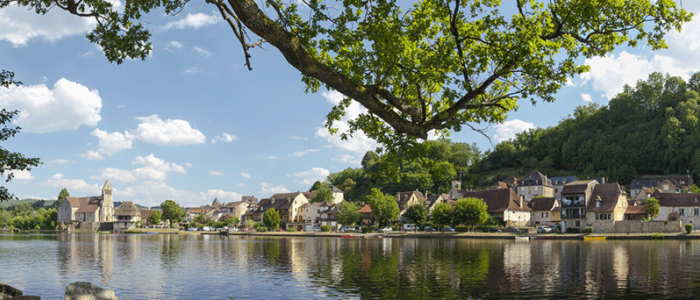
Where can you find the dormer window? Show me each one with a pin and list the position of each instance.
(597, 204)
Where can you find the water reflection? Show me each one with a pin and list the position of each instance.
(216, 267)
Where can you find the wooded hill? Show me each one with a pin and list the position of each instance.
(648, 129)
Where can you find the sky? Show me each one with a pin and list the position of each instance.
(191, 123)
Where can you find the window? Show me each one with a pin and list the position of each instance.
(681, 211)
(696, 212)
(603, 216)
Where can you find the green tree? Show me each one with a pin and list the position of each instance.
(470, 212)
(651, 207)
(442, 214)
(323, 193)
(62, 195)
(172, 212)
(348, 213)
(416, 214)
(315, 186)
(271, 219)
(384, 207)
(201, 218)
(249, 223)
(154, 218)
(11, 161)
(435, 65)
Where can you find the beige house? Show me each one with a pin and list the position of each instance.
(607, 205)
(88, 209)
(288, 205)
(534, 184)
(546, 211)
(237, 209)
(686, 205)
(505, 206)
(434, 200)
(574, 200)
(408, 199)
(126, 216)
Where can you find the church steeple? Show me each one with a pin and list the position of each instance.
(107, 207)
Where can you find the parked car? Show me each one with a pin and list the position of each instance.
(385, 229)
(543, 229)
(409, 227)
(317, 228)
(512, 229)
(429, 229)
(192, 229)
(448, 229)
(494, 229)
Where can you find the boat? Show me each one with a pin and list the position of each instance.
(380, 237)
(151, 233)
(347, 236)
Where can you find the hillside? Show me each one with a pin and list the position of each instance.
(33, 202)
(648, 129)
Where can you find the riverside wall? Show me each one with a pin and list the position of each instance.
(649, 227)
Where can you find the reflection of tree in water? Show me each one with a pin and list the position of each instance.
(171, 250)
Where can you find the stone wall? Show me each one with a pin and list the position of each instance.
(85, 226)
(648, 227)
(602, 226)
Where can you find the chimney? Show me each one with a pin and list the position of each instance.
(521, 202)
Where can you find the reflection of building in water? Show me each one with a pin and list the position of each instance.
(516, 261)
(106, 248)
(77, 251)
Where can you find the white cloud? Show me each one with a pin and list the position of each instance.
(347, 159)
(151, 161)
(108, 144)
(508, 129)
(267, 189)
(215, 173)
(299, 138)
(173, 45)
(58, 161)
(194, 21)
(310, 176)
(18, 25)
(92, 155)
(19, 174)
(569, 82)
(191, 70)
(300, 153)
(241, 184)
(224, 138)
(246, 175)
(359, 143)
(151, 193)
(189, 165)
(73, 185)
(272, 157)
(201, 51)
(154, 130)
(587, 97)
(68, 106)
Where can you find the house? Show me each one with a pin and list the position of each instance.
(320, 214)
(408, 199)
(637, 185)
(337, 195)
(88, 209)
(512, 182)
(643, 194)
(635, 211)
(432, 201)
(607, 205)
(288, 205)
(237, 209)
(504, 205)
(686, 205)
(574, 200)
(126, 216)
(534, 184)
(559, 182)
(145, 213)
(546, 211)
(684, 181)
(669, 186)
(366, 216)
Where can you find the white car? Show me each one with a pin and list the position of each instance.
(385, 229)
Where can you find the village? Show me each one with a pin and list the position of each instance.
(533, 202)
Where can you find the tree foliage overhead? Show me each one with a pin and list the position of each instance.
(417, 66)
(323, 193)
(651, 128)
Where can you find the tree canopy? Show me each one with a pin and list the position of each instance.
(172, 211)
(384, 207)
(154, 218)
(271, 219)
(323, 193)
(62, 195)
(417, 66)
(441, 214)
(348, 213)
(416, 214)
(470, 212)
(11, 161)
(651, 207)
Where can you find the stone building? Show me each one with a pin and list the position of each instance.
(99, 209)
(534, 184)
(126, 216)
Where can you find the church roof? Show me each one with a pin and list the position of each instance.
(85, 204)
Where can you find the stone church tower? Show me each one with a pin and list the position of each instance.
(107, 207)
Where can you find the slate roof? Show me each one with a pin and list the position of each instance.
(563, 180)
(276, 203)
(607, 194)
(402, 197)
(127, 209)
(576, 187)
(512, 181)
(542, 203)
(647, 183)
(677, 199)
(234, 204)
(336, 190)
(216, 202)
(534, 178)
(684, 181)
(498, 200)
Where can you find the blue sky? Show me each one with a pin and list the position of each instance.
(191, 123)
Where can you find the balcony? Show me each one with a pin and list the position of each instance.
(573, 203)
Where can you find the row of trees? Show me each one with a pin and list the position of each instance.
(24, 217)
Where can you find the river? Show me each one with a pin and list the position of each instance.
(244, 267)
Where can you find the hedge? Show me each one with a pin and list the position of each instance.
(588, 230)
(326, 228)
(573, 230)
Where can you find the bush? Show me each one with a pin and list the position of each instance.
(588, 230)
(688, 228)
(292, 230)
(325, 228)
(462, 228)
(366, 229)
(557, 230)
(657, 236)
(573, 230)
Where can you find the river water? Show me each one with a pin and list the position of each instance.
(244, 267)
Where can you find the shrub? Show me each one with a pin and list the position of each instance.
(657, 236)
(573, 230)
(292, 230)
(588, 230)
(688, 228)
(366, 229)
(326, 228)
(462, 228)
(557, 230)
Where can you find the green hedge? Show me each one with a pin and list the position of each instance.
(292, 230)
(461, 228)
(573, 230)
(588, 230)
(326, 228)
(688, 228)
(366, 229)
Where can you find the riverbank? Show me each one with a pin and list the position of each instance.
(484, 235)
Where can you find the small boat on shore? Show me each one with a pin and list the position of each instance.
(347, 236)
